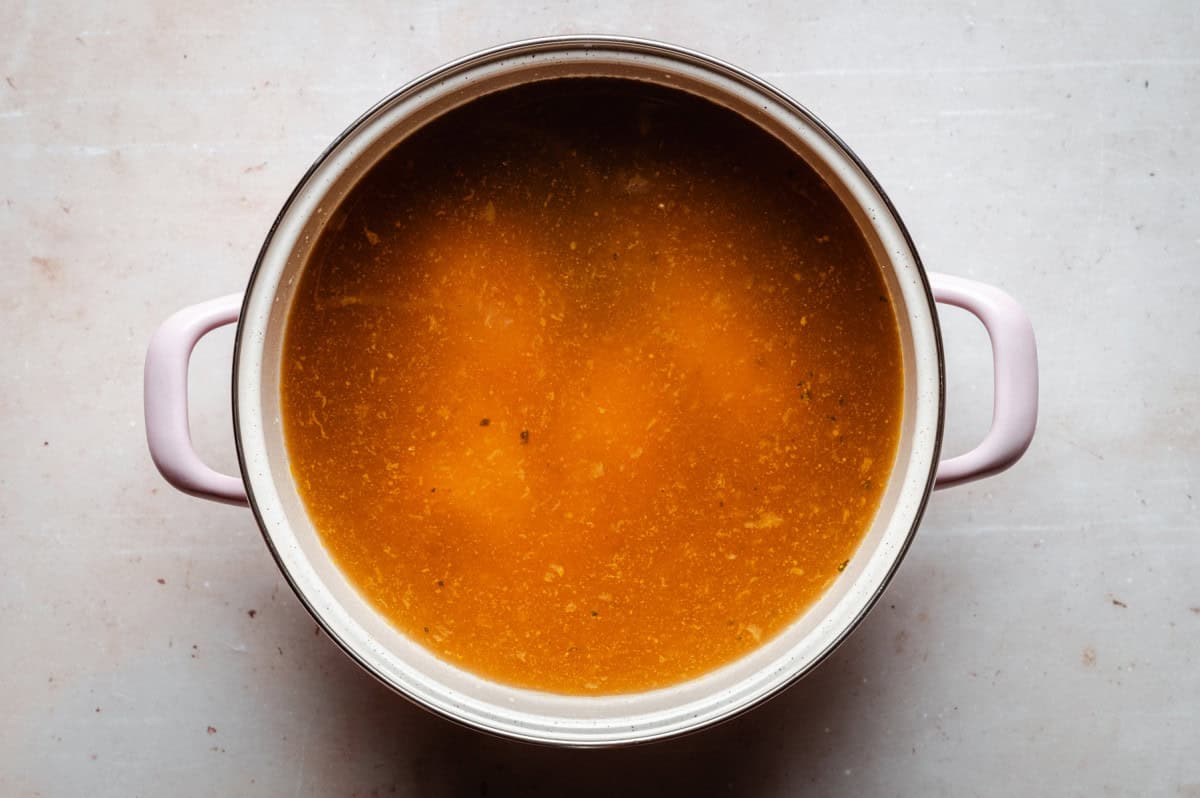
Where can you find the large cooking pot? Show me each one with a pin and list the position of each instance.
(266, 482)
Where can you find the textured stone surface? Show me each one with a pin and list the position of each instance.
(1043, 635)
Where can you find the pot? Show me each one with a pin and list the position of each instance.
(266, 484)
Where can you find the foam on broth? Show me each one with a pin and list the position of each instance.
(591, 386)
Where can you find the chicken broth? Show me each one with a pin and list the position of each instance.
(591, 386)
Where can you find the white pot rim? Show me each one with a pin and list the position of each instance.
(528, 715)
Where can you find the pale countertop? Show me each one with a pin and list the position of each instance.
(1042, 636)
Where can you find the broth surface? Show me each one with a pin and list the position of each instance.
(591, 386)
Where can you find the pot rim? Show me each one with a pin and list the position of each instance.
(633, 45)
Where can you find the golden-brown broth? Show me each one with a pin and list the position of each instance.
(591, 386)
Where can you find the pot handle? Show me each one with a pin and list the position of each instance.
(1014, 354)
(166, 399)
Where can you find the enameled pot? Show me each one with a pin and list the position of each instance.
(266, 483)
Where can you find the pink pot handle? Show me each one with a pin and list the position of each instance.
(1014, 353)
(166, 397)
